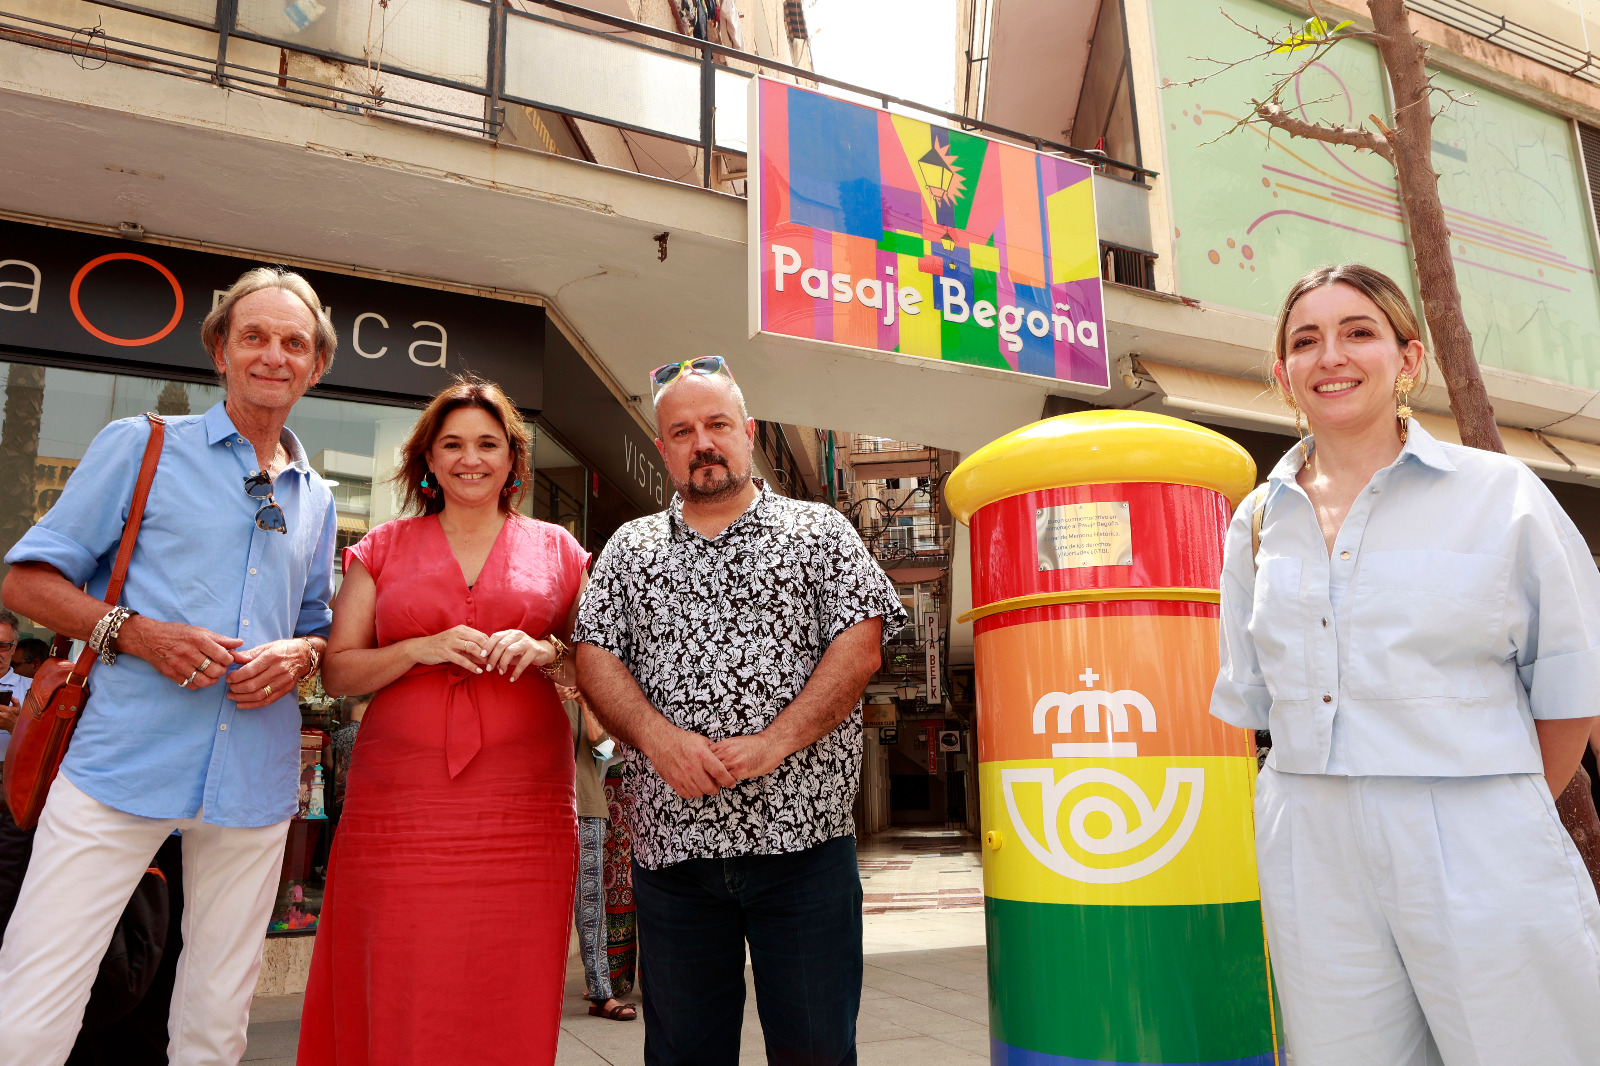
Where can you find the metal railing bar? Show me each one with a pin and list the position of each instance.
(365, 64)
(67, 46)
(1513, 36)
(587, 117)
(380, 102)
(964, 121)
(87, 49)
(205, 73)
(613, 38)
(164, 16)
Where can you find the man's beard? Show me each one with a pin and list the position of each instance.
(725, 487)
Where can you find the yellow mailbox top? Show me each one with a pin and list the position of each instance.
(1099, 447)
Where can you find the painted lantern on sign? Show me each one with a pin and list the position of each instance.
(878, 231)
(1124, 921)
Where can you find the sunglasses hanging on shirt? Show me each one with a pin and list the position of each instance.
(258, 486)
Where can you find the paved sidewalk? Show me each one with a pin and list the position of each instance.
(924, 999)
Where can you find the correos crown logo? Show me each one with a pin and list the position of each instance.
(1103, 792)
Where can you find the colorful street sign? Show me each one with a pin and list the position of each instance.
(873, 230)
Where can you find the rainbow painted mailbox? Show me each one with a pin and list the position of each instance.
(1124, 921)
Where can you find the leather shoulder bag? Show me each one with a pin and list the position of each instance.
(50, 711)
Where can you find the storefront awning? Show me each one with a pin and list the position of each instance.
(1240, 401)
(1584, 457)
(1214, 394)
(349, 524)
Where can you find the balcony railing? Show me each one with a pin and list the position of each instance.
(458, 63)
(1513, 36)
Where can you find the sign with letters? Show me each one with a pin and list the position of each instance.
(105, 298)
(874, 230)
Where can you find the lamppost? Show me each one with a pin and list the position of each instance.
(936, 174)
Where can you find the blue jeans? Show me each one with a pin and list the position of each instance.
(800, 913)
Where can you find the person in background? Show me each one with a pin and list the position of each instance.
(588, 902)
(622, 919)
(727, 640)
(1418, 624)
(344, 746)
(192, 721)
(448, 911)
(13, 683)
(31, 654)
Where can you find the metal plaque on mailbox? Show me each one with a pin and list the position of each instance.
(1084, 534)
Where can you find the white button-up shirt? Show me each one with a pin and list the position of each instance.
(1459, 604)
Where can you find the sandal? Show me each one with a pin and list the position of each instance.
(622, 1012)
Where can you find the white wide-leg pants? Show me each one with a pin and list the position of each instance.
(1417, 921)
(87, 859)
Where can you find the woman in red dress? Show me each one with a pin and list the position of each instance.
(444, 926)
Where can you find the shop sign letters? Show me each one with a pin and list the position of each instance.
(73, 294)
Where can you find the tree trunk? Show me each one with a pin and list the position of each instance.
(1412, 143)
(19, 448)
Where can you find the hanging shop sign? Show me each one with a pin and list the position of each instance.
(79, 295)
(930, 643)
(874, 230)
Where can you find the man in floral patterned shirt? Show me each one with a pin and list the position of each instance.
(727, 640)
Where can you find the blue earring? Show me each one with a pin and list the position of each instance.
(513, 487)
(427, 489)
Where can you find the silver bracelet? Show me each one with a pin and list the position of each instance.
(104, 637)
(97, 638)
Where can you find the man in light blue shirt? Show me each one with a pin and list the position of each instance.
(192, 721)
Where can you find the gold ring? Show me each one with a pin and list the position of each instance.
(267, 689)
(204, 665)
(185, 682)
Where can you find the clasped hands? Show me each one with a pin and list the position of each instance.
(695, 765)
(195, 657)
(509, 651)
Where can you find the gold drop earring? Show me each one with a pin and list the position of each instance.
(1299, 428)
(1402, 407)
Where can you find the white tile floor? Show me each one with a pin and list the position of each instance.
(924, 998)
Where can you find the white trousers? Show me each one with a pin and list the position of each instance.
(87, 859)
(1419, 921)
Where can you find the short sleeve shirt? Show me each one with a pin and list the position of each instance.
(722, 634)
(1459, 606)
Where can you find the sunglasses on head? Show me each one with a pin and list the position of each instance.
(258, 486)
(667, 373)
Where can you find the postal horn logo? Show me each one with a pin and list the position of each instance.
(1129, 824)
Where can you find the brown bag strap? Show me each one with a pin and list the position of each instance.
(130, 533)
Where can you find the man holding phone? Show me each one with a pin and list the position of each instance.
(13, 686)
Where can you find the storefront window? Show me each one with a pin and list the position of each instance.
(52, 414)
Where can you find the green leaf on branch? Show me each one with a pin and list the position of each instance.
(1317, 31)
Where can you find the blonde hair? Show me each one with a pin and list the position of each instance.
(1375, 285)
(214, 330)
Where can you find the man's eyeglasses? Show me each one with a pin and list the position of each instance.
(667, 373)
(258, 486)
(7, 645)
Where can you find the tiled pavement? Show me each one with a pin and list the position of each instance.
(924, 998)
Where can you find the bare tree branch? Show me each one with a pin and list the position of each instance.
(1275, 115)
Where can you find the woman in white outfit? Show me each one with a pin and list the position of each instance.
(1420, 630)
